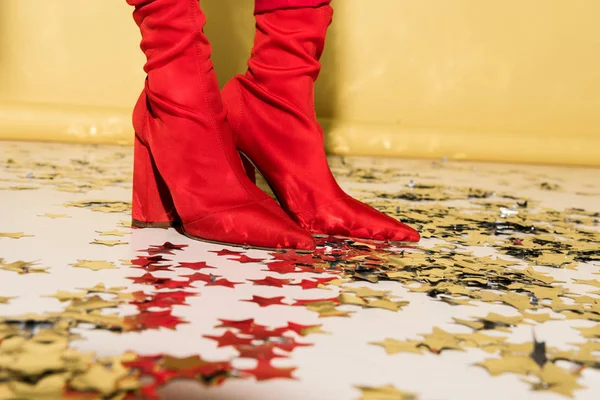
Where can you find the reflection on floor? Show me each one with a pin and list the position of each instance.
(501, 299)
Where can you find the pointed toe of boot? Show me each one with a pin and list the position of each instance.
(250, 225)
(352, 218)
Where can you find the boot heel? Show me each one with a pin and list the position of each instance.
(152, 205)
(249, 168)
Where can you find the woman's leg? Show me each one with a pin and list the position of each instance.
(271, 109)
(184, 144)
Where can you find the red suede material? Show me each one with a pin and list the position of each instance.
(271, 109)
(261, 6)
(183, 139)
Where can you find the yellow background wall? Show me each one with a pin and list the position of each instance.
(467, 79)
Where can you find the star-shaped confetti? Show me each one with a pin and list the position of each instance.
(14, 235)
(229, 338)
(264, 370)
(108, 243)
(267, 301)
(94, 265)
(386, 392)
(114, 232)
(54, 216)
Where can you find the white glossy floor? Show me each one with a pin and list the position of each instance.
(509, 252)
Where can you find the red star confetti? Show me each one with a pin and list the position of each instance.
(223, 282)
(199, 276)
(159, 283)
(161, 377)
(160, 300)
(143, 363)
(226, 252)
(241, 325)
(145, 261)
(288, 344)
(171, 284)
(265, 371)
(152, 320)
(282, 267)
(250, 328)
(270, 281)
(154, 268)
(263, 351)
(146, 279)
(229, 339)
(165, 248)
(245, 259)
(262, 333)
(294, 257)
(267, 301)
(210, 373)
(196, 266)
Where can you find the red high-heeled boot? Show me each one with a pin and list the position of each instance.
(186, 165)
(271, 111)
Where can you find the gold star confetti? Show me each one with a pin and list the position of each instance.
(327, 309)
(94, 265)
(593, 332)
(54, 216)
(101, 288)
(386, 304)
(67, 296)
(393, 346)
(108, 243)
(552, 378)
(387, 392)
(114, 232)
(105, 206)
(21, 267)
(517, 364)
(364, 291)
(14, 235)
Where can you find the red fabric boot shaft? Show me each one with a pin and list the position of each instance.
(261, 6)
(182, 137)
(271, 109)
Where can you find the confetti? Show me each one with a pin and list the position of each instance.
(229, 339)
(393, 346)
(94, 265)
(54, 216)
(196, 266)
(109, 243)
(267, 301)
(21, 267)
(264, 370)
(114, 232)
(14, 235)
(245, 259)
(271, 281)
(105, 206)
(387, 392)
(526, 282)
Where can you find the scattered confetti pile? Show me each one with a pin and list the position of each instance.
(501, 296)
